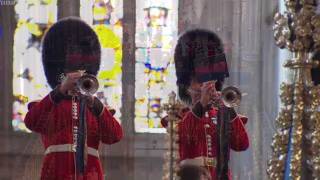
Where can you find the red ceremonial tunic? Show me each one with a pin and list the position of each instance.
(52, 118)
(198, 139)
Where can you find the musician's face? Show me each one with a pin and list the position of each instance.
(195, 90)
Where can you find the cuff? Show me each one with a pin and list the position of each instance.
(242, 118)
(55, 95)
(198, 110)
(97, 107)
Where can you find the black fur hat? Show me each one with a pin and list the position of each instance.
(199, 55)
(69, 45)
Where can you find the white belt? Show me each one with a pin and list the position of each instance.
(200, 161)
(68, 148)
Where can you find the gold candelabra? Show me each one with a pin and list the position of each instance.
(296, 143)
(171, 167)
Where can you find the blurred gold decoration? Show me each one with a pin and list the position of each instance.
(170, 168)
(298, 128)
(20, 98)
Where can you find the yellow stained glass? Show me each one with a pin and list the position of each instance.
(105, 17)
(29, 83)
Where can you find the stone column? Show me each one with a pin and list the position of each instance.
(68, 8)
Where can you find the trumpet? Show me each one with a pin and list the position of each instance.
(230, 96)
(88, 84)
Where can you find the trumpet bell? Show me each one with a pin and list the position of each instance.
(88, 84)
(231, 96)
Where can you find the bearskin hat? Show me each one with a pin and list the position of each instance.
(199, 55)
(70, 45)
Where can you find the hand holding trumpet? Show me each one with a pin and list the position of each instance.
(79, 83)
(209, 94)
(70, 85)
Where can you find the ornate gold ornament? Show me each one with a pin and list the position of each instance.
(171, 157)
(298, 30)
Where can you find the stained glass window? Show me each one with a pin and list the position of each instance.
(105, 16)
(156, 34)
(29, 83)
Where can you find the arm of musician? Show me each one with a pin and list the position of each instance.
(187, 126)
(109, 129)
(239, 140)
(40, 112)
(165, 120)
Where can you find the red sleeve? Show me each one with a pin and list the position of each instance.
(239, 140)
(110, 130)
(165, 120)
(39, 115)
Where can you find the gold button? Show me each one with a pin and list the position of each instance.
(210, 162)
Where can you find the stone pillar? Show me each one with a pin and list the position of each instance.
(68, 8)
(7, 27)
(123, 152)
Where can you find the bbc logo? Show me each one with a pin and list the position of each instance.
(8, 2)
